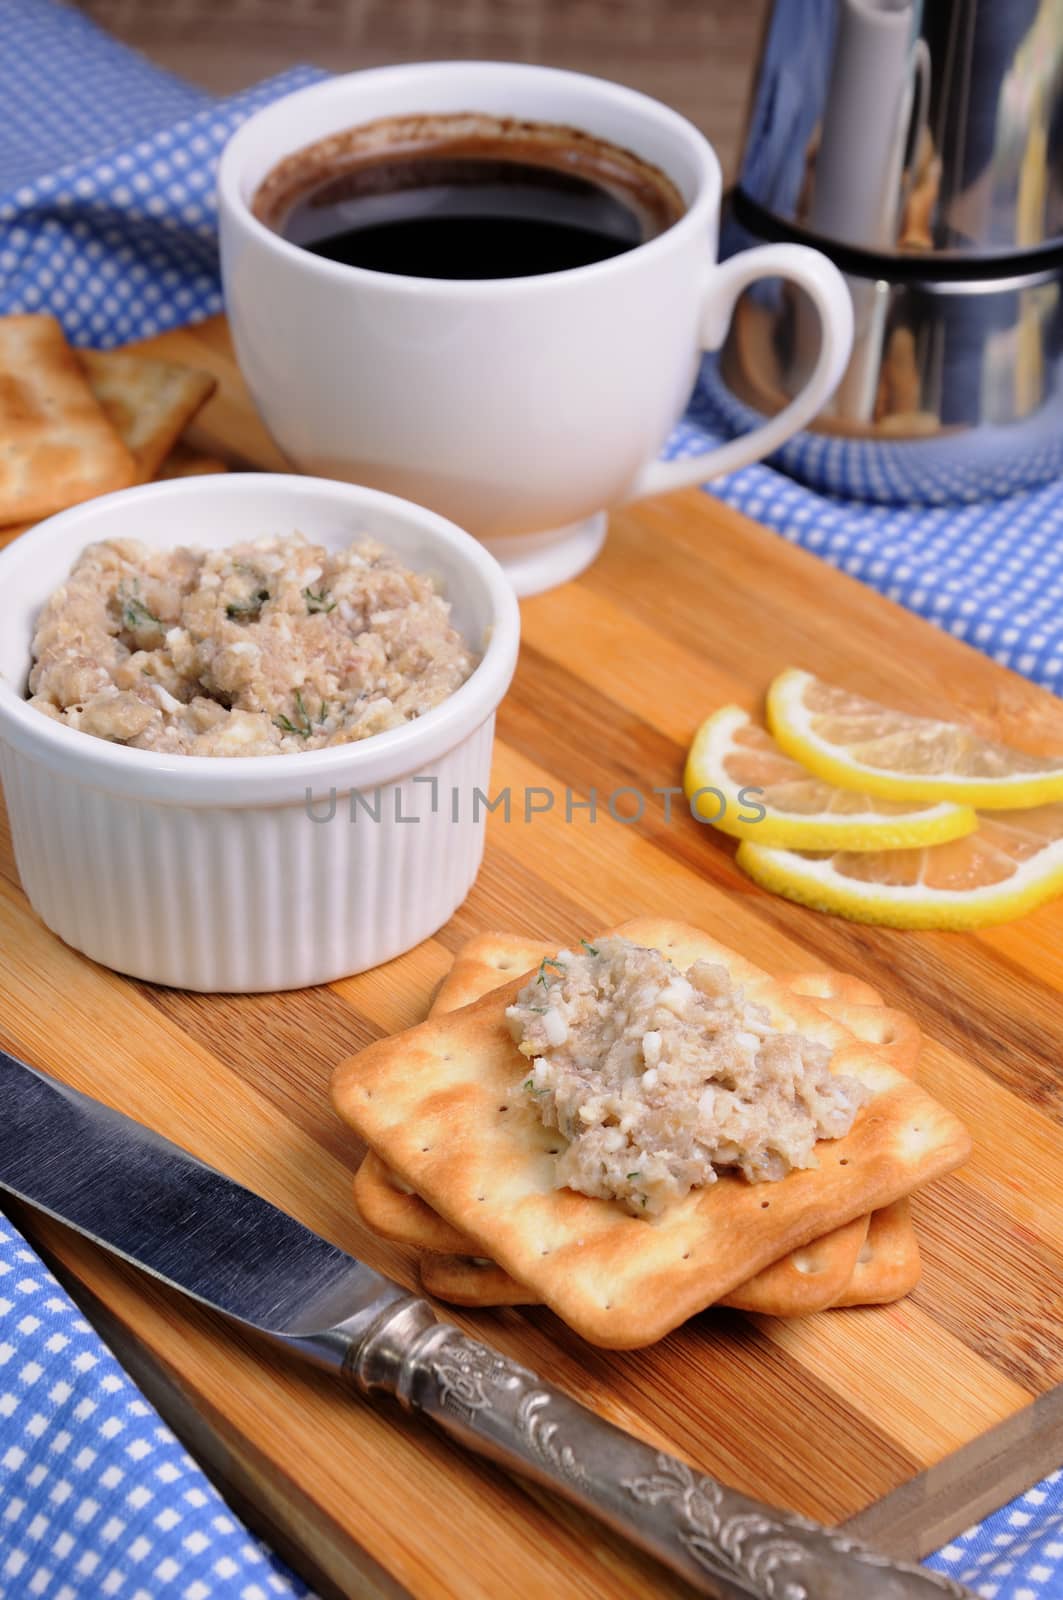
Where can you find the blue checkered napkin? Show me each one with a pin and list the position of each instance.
(62, 79)
(97, 1498)
(118, 237)
(989, 572)
(1017, 1553)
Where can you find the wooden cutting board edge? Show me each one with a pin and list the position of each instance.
(923, 1514)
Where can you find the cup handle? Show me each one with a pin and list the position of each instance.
(826, 288)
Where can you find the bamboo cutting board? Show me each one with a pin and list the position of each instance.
(907, 1421)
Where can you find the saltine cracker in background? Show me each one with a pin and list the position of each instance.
(56, 445)
(148, 402)
(74, 425)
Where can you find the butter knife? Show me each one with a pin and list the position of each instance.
(153, 1204)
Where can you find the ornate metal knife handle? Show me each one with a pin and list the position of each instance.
(724, 1543)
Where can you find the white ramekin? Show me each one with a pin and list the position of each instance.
(208, 872)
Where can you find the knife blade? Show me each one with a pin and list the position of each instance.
(153, 1204)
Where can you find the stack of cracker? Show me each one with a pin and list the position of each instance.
(74, 424)
(461, 1166)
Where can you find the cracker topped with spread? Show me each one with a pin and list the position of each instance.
(660, 1079)
(869, 1261)
(442, 1107)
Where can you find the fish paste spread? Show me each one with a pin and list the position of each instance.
(264, 648)
(659, 1079)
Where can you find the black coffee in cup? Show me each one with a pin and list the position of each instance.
(466, 196)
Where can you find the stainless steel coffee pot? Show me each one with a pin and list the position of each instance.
(920, 144)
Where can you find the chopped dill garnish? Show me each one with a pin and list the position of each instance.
(247, 608)
(632, 1175)
(306, 728)
(548, 961)
(591, 949)
(134, 612)
(318, 602)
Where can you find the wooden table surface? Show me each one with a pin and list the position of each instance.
(909, 1420)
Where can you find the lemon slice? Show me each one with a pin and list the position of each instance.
(860, 744)
(1013, 863)
(738, 779)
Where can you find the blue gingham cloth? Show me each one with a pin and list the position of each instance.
(108, 216)
(97, 1497)
(107, 219)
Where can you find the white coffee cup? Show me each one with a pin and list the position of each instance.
(521, 408)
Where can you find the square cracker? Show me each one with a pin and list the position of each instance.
(851, 1266)
(804, 1281)
(807, 1280)
(441, 1105)
(887, 1268)
(780, 1290)
(398, 1213)
(149, 402)
(472, 1281)
(56, 445)
(888, 1265)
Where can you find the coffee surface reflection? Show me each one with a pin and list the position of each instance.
(466, 197)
